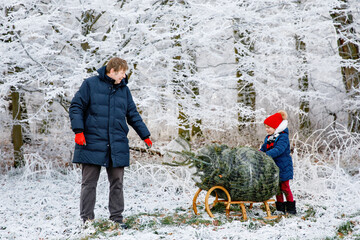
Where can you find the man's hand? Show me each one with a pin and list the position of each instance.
(148, 143)
(80, 139)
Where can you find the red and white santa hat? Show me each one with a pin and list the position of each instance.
(276, 119)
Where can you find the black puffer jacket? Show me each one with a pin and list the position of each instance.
(102, 110)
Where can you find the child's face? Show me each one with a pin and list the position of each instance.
(269, 130)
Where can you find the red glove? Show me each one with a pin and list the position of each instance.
(80, 139)
(148, 143)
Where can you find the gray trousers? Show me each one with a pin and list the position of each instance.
(90, 177)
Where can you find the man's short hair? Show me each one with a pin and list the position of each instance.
(117, 64)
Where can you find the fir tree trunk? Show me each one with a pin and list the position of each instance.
(17, 136)
(349, 51)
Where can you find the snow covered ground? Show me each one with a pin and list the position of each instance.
(43, 203)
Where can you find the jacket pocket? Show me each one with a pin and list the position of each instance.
(90, 124)
(124, 126)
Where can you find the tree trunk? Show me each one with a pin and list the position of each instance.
(187, 130)
(304, 119)
(88, 19)
(15, 105)
(246, 91)
(17, 136)
(349, 51)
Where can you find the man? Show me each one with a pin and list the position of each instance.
(99, 113)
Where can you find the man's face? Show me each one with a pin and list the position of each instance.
(117, 76)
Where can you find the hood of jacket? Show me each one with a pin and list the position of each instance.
(283, 125)
(286, 130)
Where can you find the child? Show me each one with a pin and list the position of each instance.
(277, 146)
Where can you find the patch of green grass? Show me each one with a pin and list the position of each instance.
(198, 221)
(271, 222)
(345, 229)
(133, 221)
(180, 209)
(180, 217)
(168, 220)
(254, 225)
(221, 208)
(218, 208)
(104, 228)
(309, 214)
(355, 214)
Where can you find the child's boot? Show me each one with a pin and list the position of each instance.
(280, 206)
(290, 207)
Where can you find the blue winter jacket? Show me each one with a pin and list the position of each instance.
(102, 109)
(281, 154)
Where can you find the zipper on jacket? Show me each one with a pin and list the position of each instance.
(109, 114)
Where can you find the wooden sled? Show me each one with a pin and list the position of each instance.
(228, 203)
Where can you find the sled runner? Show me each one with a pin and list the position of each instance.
(228, 203)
